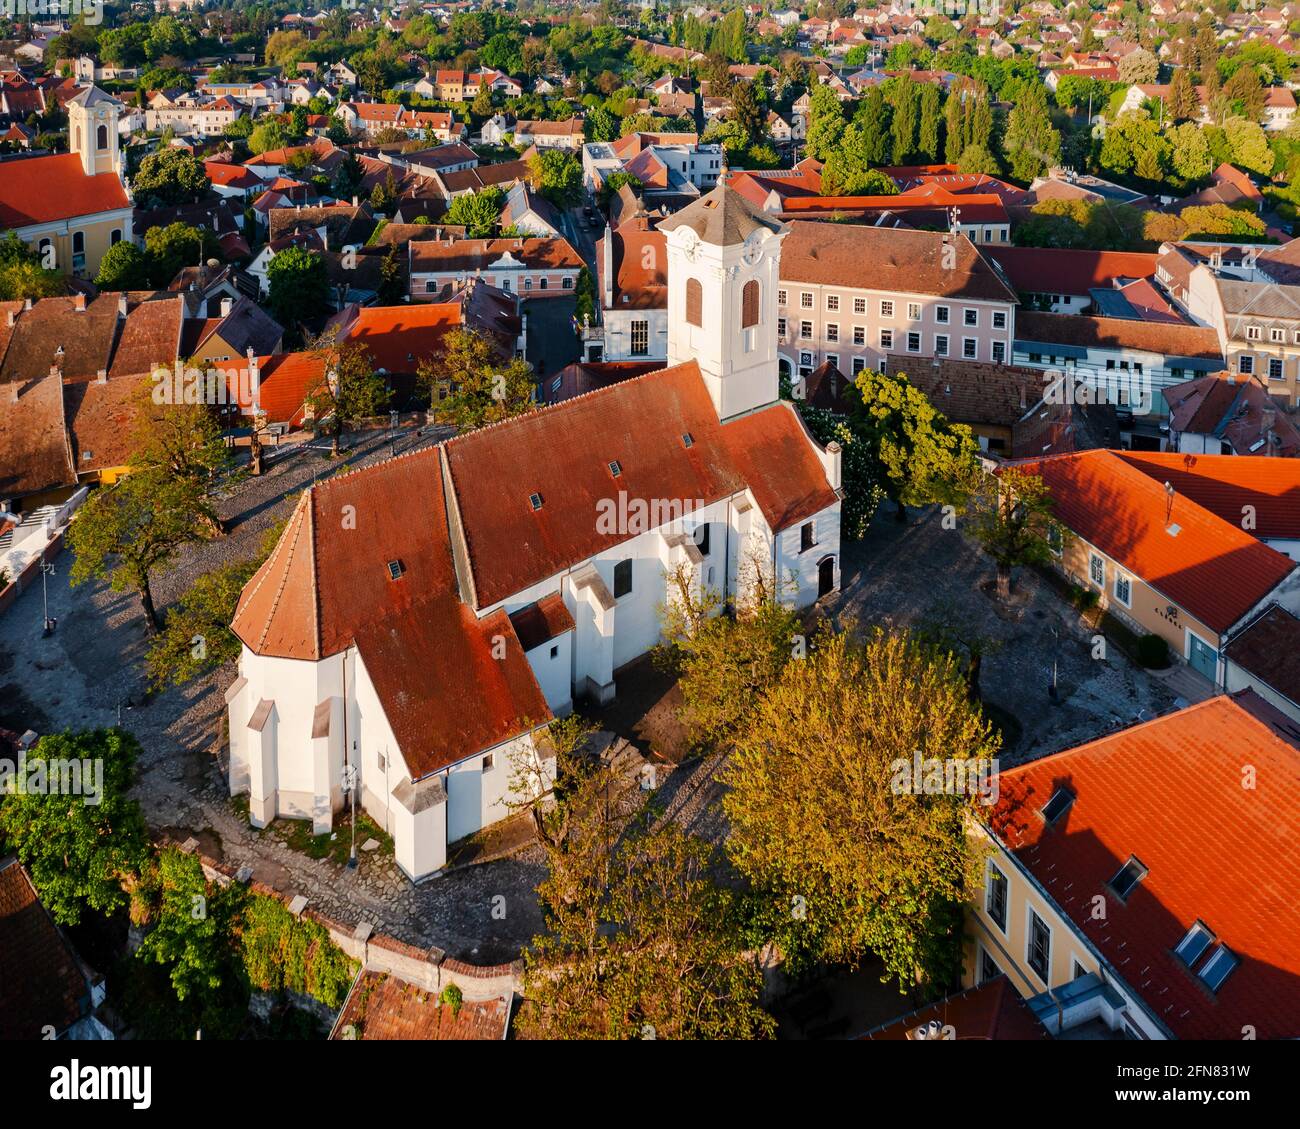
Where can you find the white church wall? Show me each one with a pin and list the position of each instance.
(552, 665)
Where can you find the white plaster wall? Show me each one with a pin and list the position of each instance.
(475, 797)
(554, 674)
(802, 567)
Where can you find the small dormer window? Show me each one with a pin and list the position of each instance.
(395, 570)
(1130, 874)
(616, 468)
(535, 500)
(688, 440)
(1057, 806)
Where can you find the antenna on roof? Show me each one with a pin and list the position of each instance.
(1169, 501)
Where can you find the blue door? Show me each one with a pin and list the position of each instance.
(1203, 658)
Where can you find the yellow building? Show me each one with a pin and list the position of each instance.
(72, 207)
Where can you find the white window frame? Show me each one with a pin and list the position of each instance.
(970, 317)
(833, 303)
(1121, 575)
(806, 300)
(970, 348)
(988, 898)
(1098, 559)
(913, 333)
(913, 311)
(887, 339)
(999, 319)
(940, 344)
(780, 297)
(943, 314)
(833, 331)
(886, 308)
(1046, 976)
(860, 307)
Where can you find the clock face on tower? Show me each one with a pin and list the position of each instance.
(753, 251)
(691, 244)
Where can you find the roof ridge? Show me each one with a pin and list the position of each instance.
(543, 408)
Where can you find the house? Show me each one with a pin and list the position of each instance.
(550, 135)
(480, 597)
(981, 218)
(530, 266)
(632, 281)
(1161, 539)
(530, 213)
(1227, 414)
(1121, 361)
(71, 207)
(1264, 657)
(869, 297)
(241, 325)
(667, 164)
(1062, 281)
(1097, 902)
(46, 990)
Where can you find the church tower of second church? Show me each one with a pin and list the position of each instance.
(724, 263)
(92, 131)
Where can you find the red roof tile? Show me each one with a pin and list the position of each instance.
(1211, 568)
(381, 1006)
(1051, 270)
(1170, 792)
(994, 1010)
(45, 189)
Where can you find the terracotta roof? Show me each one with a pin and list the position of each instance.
(54, 332)
(381, 1006)
(1083, 331)
(1269, 650)
(447, 688)
(34, 450)
(45, 189)
(636, 287)
(579, 378)
(562, 453)
(1211, 568)
(286, 380)
(1236, 409)
(499, 174)
(400, 337)
(1170, 793)
(43, 984)
(1051, 270)
(542, 621)
(100, 419)
(1223, 484)
(151, 335)
(993, 1010)
(722, 218)
(976, 392)
(434, 256)
(875, 258)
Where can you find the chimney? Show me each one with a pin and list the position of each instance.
(227, 304)
(11, 318)
(101, 376)
(254, 377)
(27, 303)
(13, 391)
(121, 305)
(79, 303)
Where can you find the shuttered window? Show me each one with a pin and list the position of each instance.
(749, 304)
(694, 302)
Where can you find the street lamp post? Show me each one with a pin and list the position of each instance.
(350, 783)
(50, 624)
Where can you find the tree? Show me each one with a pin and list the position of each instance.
(747, 113)
(976, 159)
(1139, 67)
(1249, 145)
(267, 136)
(904, 100)
(392, 288)
(124, 267)
(171, 176)
(178, 245)
(194, 938)
(822, 820)
(126, 530)
(478, 212)
(723, 662)
(23, 274)
(482, 107)
(601, 124)
(472, 386)
(954, 120)
(825, 122)
(1184, 102)
(557, 174)
(1190, 151)
(78, 853)
(299, 286)
(1011, 515)
(1246, 93)
(1031, 143)
(927, 141)
(921, 457)
(610, 185)
(348, 389)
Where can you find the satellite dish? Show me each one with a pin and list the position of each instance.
(214, 263)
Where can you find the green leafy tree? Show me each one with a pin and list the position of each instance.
(472, 385)
(821, 819)
(826, 122)
(348, 390)
(478, 212)
(557, 174)
(1190, 153)
(904, 99)
(1031, 143)
(124, 267)
(81, 851)
(170, 176)
(482, 106)
(1184, 102)
(927, 141)
(267, 136)
(1139, 67)
(178, 245)
(1249, 144)
(23, 274)
(976, 159)
(127, 530)
(1012, 517)
(922, 458)
(299, 286)
(392, 287)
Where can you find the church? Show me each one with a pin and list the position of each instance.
(421, 620)
(71, 207)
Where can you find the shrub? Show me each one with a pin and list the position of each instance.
(451, 997)
(1153, 652)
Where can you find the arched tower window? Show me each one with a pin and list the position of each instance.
(694, 302)
(76, 140)
(749, 304)
(101, 138)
